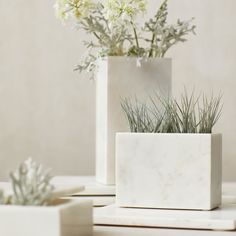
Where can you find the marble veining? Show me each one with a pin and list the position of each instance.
(176, 171)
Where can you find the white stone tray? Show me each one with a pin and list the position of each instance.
(98, 201)
(223, 218)
(92, 188)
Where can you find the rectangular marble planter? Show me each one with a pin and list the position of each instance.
(121, 77)
(172, 171)
(67, 218)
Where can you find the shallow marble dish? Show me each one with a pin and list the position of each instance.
(170, 171)
(98, 201)
(92, 187)
(64, 218)
(223, 218)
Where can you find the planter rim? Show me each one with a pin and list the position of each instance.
(169, 134)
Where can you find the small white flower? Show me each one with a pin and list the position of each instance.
(139, 61)
(123, 10)
(73, 9)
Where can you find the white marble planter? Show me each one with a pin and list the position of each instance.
(67, 218)
(120, 77)
(173, 171)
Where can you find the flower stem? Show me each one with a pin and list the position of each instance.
(135, 34)
(96, 35)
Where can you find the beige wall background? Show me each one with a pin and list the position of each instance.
(47, 111)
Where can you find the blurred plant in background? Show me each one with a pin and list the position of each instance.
(31, 186)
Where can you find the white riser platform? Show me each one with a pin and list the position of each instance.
(223, 218)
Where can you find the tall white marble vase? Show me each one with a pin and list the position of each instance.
(171, 171)
(117, 78)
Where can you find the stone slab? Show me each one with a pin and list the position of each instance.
(223, 218)
(98, 201)
(92, 188)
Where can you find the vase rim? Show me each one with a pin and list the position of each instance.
(136, 58)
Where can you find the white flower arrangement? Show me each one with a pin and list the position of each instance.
(116, 32)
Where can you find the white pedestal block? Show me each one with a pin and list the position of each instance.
(67, 218)
(175, 171)
(223, 218)
(117, 78)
